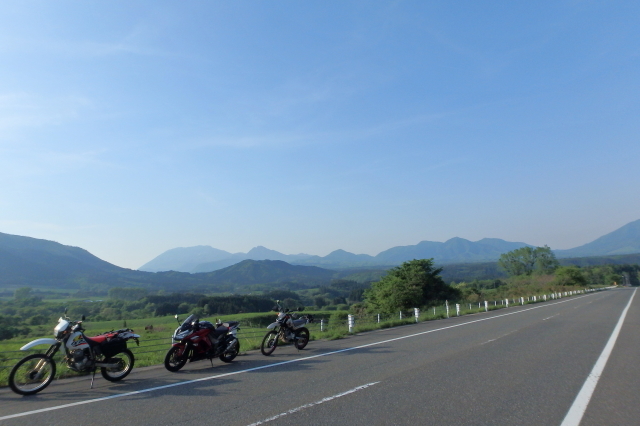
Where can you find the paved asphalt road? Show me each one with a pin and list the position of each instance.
(516, 366)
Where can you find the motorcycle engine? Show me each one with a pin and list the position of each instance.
(79, 360)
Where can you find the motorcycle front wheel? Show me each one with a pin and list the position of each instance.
(269, 343)
(302, 338)
(124, 361)
(175, 358)
(32, 374)
(230, 354)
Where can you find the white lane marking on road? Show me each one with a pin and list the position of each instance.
(574, 416)
(500, 337)
(277, 364)
(550, 317)
(323, 400)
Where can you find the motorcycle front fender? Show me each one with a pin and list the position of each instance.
(272, 326)
(44, 341)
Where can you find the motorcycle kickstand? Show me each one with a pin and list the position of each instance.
(92, 378)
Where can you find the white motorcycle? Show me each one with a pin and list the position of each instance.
(287, 328)
(107, 351)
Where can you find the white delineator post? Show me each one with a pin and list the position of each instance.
(378, 318)
(486, 306)
(457, 309)
(544, 297)
(350, 322)
(446, 304)
(416, 313)
(322, 325)
(400, 314)
(522, 300)
(507, 304)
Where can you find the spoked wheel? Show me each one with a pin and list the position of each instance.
(230, 354)
(32, 374)
(124, 364)
(302, 338)
(269, 343)
(176, 358)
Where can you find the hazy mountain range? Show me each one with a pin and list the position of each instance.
(625, 240)
(38, 263)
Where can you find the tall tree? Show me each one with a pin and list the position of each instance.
(413, 284)
(528, 260)
(570, 275)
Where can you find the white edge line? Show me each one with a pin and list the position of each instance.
(90, 401)
(575, 413)
(323, 400)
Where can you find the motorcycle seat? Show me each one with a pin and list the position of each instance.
(95, 340)
(220, 331)
(299, 322)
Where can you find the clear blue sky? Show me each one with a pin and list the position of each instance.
(130, 128)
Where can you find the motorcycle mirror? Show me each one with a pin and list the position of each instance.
(176, 317)
(82, 318)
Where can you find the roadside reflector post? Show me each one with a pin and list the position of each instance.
(400, 314)
(522, 300)
(350, 322)
(507, 303)
(447, 306)
(378, 318)
(457, 309)
(416, 313)
(322, 325)
(486, 306)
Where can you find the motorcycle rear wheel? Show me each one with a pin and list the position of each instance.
(229, 355)
(174, 361)
(125, 362)
(269, 343)
(302, 338)
(32, 374)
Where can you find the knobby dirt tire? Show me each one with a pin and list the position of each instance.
(16, 376)
(125, 361)
(269, 343)
(302, 338)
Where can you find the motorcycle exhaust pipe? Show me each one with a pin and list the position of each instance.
(230, 345)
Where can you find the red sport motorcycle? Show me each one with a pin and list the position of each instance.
(194, 340)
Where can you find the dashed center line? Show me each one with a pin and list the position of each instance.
(322, 401)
